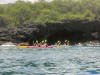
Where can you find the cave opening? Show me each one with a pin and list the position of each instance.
(62, 35)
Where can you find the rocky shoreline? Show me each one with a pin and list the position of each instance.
(76, 31)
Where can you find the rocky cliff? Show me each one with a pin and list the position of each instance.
(72, 30)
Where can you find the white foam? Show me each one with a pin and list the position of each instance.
(8, 45)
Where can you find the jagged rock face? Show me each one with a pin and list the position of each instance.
(23, 33)
(73, 30)
(28, 33)
(4, 35)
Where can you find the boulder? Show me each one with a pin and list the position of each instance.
(8, 44)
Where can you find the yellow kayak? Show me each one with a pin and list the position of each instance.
(58, 46)
(22, 46)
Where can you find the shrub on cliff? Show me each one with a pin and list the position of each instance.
(48, 11)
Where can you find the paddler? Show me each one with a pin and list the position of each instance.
(58, 44)
(66, 42)
(44, 43)
(36, 43)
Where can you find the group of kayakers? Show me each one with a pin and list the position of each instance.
(44, 43)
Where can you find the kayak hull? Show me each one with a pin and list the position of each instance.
(22, 46)
(33, 47)
(58, 46)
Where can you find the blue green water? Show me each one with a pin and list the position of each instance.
(72, 60)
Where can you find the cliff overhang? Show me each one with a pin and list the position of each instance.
(72, 30)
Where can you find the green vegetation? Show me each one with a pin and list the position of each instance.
(42, 11)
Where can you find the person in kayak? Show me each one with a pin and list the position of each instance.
(44, 43)
(66, 42)
(58, 44)
(36, 43)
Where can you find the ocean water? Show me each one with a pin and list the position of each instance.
(71, 60)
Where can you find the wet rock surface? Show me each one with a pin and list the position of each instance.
(72, 30)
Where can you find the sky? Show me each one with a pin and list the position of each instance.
(12, 1)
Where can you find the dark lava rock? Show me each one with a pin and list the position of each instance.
(72, 30)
